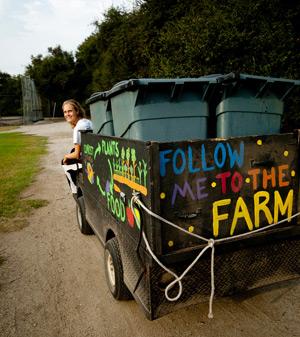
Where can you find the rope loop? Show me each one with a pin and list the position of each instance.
(170, 286)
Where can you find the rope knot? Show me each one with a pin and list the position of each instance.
(135, 197)
(211, 243)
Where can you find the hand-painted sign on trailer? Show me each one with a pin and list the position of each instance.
(221, 188)
(215, 189)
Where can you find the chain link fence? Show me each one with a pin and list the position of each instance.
(32, 107)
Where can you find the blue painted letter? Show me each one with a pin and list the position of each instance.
(163, 161)
(235, 157)
(181, 154)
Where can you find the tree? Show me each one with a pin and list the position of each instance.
(10, 95)
(177, 38)
(53, 74)
(86, 61)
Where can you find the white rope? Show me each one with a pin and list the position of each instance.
(177, 279)
(258, 229)
(136, 199)
(210, 244)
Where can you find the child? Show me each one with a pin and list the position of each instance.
(75, 115)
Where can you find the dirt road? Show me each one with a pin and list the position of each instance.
(53, 284)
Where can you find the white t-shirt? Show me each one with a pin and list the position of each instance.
(82, 124)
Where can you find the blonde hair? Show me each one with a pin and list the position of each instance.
(80, 112)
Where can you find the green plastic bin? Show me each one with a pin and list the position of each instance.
(161, 109)
(101, 114)
(251, 105)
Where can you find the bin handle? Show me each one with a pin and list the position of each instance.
(266, 163)
(228, 78)
(102, 126)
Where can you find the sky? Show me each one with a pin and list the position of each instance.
(29, 27)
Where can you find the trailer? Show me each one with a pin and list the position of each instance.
(187, 221)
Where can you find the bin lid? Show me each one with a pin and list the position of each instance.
(97, 96)
(134, 84)
(281, 87)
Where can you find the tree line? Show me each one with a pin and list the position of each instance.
(176, 38)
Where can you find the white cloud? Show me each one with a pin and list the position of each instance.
(29, 27)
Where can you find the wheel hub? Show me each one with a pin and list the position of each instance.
(111, 270)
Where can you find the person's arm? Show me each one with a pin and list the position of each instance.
(73, 155)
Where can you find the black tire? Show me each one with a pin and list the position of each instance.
(83, 225)
(114, 271)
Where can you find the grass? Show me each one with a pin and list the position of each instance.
(19, 162)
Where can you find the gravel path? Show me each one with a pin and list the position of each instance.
(53, 284)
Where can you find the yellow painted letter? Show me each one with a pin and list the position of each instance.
(218, 217)
(261, 207)
(287, 206)
(241, 211)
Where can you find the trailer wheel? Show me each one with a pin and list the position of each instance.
(114, 271)
(83, 225)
